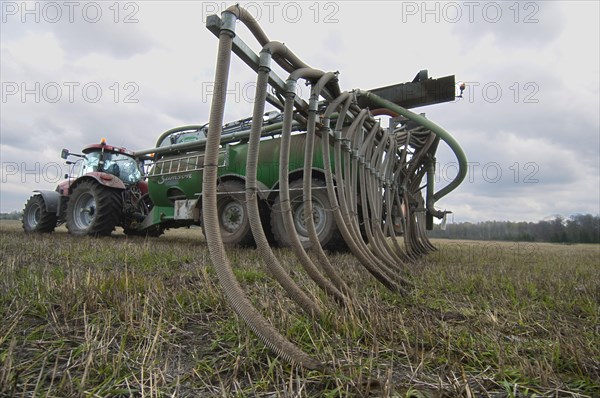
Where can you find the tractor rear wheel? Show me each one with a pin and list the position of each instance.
(93, 209)
(35, 216)
(233, 217)
(327, 231)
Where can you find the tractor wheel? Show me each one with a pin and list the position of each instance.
(93, 210)
(35, 216)
(327, 231)
(233, 217)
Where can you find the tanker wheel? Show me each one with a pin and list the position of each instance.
(327, 231)
(232, 214)
(35, 216)
(93, 209)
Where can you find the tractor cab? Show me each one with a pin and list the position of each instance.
(113, 160)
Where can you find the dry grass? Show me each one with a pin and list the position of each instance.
(125, 316)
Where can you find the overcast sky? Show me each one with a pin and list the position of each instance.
(73, 72)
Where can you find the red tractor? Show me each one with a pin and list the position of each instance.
(108, 191)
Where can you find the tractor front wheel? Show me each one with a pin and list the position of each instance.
(35, 216)
(93, 209)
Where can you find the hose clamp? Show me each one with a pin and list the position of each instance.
(346, 144)
(228, 22)
(290, 87)
(265, 60)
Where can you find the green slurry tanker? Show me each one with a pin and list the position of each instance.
(148, 191)
(175, 181)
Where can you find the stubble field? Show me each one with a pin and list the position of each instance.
(123, 316)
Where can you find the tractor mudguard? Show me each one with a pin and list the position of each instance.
(51, 200)
(105, 179)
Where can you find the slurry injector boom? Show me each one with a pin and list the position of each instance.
(372, 176)
(313, 174)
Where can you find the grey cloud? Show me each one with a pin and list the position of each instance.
(117, 40)
(562, 139)
(535, 103)
(83, 35)
(513, 24)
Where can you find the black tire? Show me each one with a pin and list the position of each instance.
(265, 220)
(233, 217)
(327, 231)
(93, 209)
(36, 218)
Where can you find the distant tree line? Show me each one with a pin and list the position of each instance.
(13, 215)
(579, 228)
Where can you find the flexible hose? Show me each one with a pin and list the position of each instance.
(354, 137)
(439, 131)
(369, 206)
(241, 14)
(374, 176)
(357, 245)
(390, 193)
(324, 262)
(284, 194)
(272, 263)
(351, 240)
(374, 193)
(231, 286)
(284, 56)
